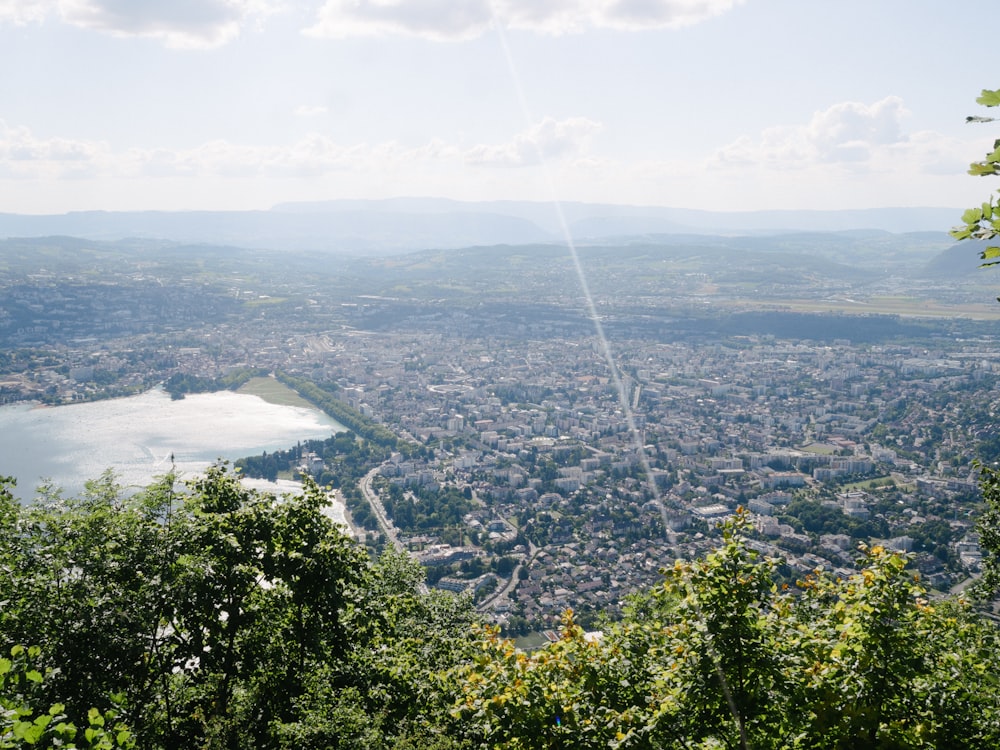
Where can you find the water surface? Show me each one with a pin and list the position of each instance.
(136, 436)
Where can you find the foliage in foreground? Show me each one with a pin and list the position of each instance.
(983, 222)
(220, 617)
(717, 656)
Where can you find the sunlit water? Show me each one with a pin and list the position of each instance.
(136, 436)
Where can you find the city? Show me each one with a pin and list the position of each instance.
(528, 472)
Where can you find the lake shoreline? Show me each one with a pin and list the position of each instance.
(136, 436)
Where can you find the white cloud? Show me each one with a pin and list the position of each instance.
(850, 154)
(179, 23)
(851, 134)
(639, 14)
(27, 156)
(22, 154)
(465, 19)
(549, 139)
(24, 11)
(435, 19)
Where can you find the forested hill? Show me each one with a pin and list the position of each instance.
(210, 615)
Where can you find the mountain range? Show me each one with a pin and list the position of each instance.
(377, 227)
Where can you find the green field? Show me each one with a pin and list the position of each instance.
(274, 392)
(870, 484)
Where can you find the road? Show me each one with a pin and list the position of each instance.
(496, 596)
(385, 524)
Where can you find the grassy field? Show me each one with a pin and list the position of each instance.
(902, 306)
(821, 449)
(274, 392)
(870, 484)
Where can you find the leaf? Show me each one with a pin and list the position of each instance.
(34, 675)
(989, 98)
(979, 169)
(988, 255)
(972, 216)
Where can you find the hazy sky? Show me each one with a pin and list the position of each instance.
(729, 104)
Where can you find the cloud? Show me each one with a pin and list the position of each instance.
(21, 12)
(549, 139)
(435, 19)
(850, 131)
(22, 154)
(453, 20)
(179, 23)
(851, 134)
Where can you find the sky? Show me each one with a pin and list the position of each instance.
(709, 104)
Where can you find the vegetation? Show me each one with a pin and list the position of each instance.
(350, 418)
(219, 617)
(179, 384)
(216, 616)
(717, 656)
(983, 223)
(345, 457)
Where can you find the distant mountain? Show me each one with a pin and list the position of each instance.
(959, 260)
(404, 224)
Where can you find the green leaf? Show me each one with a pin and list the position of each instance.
(988, 255)
(33, 734)
(979, 169)
(34, 675)
(989, 98)
(972, 216)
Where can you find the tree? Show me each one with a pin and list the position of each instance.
(215, 616)
(988, 526)
(718, 656)
(983, 223)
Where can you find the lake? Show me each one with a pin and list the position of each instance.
(136, 436)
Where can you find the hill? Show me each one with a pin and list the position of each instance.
(404, 224)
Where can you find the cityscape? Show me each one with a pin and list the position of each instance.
(530, 471)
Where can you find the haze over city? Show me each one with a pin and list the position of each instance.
(712, 104)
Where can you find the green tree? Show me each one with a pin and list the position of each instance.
(215, 616)
(983, 222)
(988, 526)
(717, 656)
(22, 725)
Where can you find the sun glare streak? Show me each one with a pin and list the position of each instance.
(595, 318)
